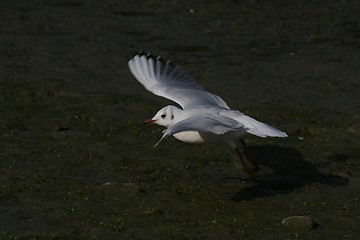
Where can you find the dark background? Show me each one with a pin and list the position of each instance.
(75, 162)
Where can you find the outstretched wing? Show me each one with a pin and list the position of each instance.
(165, 79)
(203, 123)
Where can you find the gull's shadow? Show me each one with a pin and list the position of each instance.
(283, 171)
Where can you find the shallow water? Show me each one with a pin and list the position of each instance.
(77, 164)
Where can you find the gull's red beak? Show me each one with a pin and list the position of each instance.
(149, 121)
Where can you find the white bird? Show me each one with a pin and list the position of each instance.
(204, 116)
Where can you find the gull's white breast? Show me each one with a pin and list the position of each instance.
(197, 137)
(189, 137)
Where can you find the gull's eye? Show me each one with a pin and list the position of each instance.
(163, 116)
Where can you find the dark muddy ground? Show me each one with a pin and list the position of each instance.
(77, 164)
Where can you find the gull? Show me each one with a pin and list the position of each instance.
(203, 116)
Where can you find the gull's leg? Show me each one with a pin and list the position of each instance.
(248, 169)
(250, 159)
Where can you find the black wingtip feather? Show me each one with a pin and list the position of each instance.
(140, 53)
(158, 58)
(149, 55)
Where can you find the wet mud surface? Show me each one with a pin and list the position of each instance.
(76, 163)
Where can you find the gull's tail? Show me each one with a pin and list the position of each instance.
(260, 129)
(256, 127)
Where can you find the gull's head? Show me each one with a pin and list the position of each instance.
(165, 117)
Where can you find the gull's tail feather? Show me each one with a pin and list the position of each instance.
(260, 129)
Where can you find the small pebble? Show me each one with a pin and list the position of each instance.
(299, 222)
(110, 184)
(131, 188)
(107, 186)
